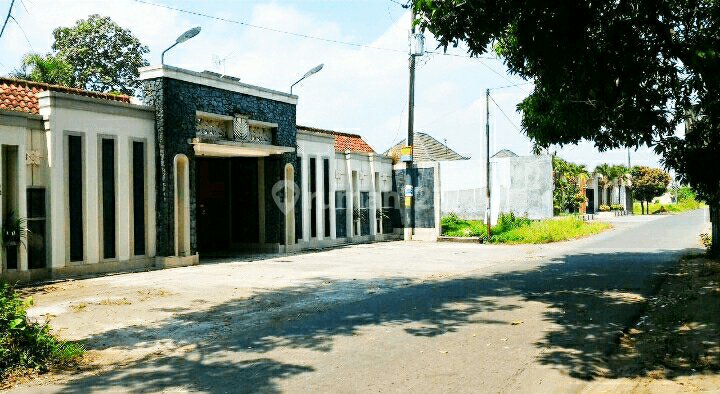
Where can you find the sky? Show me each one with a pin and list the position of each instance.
(363, 44)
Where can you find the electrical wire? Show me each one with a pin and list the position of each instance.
(7, 18)
(330, 40)
(23, 32)
(504, 114)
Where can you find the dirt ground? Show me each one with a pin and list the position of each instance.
(675, 345)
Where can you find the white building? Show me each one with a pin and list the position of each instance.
(79, 166)
(346, 190)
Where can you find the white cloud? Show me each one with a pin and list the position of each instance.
(360, 89)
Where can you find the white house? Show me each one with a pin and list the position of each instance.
(79, 166)
(346, 190)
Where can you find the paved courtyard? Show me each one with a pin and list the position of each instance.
(386, 317)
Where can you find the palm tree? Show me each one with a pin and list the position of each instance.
(49, 69)
(606, 177)
(620, 173)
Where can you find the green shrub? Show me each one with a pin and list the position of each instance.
(24, 344)
(604, 208)
(685, 193)
(617, 207)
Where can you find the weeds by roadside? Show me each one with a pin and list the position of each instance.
(27, 346)
(519, 229)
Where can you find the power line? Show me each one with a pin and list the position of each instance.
(23, 32)
(505, 115)
(330, 40)
(7, 18)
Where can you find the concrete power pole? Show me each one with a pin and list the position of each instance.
(488, 212)
(410, 173)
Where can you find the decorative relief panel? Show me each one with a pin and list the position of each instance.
(213, 128)
(245, 131)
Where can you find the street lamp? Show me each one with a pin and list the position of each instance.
(183, 37)
(307, 74)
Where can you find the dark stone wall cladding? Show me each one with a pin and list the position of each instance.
(175, 103)
(424, 196)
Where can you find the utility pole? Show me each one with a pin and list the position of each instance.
(410, 173)
(488, 212)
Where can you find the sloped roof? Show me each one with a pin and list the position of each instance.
(343, 141)
(426, 148)
(19, 95)
(504, 153)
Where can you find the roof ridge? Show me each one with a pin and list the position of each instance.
(63, 89)
(327, 131)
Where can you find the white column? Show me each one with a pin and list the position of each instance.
(373, 196)
(331, 201)
(305, 176)
(350, 192)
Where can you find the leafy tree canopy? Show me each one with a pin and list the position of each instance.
(619, 73)
(649, 183)
(104, 56)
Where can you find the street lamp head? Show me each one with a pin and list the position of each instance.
(307, 74)
(313, 70)
(188, 35)
(183, 37)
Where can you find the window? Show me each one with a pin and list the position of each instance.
(313, 197)
(138, 196)
(108, 197)
(36, 228)
(75, 197)
(326, 196)
(364, 213)
(340, 214)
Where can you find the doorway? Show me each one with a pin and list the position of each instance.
(228, 218)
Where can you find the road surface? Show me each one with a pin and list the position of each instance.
(387, 317)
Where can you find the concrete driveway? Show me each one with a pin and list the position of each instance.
(388, 317)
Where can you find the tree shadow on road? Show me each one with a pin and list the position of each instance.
(591, 299)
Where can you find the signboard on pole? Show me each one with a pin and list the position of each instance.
(406, 153)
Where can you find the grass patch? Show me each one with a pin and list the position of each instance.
(513, 229)
(25, 345)
(682, 206)
(544, 231)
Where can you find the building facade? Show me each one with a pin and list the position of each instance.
(77, 171)
(207, 166)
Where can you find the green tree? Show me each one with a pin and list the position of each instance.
(606, 175)
(104, 56)
(568, 181)
(648, 183)
(619, 73)
(48, 69)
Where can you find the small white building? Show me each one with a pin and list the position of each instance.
(346, 190)
(615, 192)
(79, 168)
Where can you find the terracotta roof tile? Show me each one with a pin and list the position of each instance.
(344, 141)
(19, 95)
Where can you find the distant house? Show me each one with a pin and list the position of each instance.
(346, 189)
(616, 192)
(425, 149)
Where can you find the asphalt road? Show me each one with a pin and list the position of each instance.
(390, 317)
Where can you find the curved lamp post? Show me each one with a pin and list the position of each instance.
(307, 74)
(183, 37)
